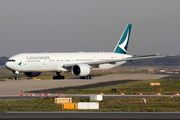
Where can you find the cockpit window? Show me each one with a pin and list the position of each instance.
(11, 60)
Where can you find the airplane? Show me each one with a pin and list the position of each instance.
(79, 63)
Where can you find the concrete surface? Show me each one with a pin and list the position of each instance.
(15, 87)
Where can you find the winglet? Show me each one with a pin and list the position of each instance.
(122, 44)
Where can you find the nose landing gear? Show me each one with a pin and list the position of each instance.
(16, 75)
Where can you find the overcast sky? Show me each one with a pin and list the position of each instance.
(88, 25)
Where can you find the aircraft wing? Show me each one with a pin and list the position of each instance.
(118, 60)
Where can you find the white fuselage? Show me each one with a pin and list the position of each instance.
(53, 62)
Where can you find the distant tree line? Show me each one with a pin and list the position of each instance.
(166, 61)
(3, 60)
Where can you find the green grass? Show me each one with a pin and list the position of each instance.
(29, 105)
(167, 87)
(133, 105)
(166, 104)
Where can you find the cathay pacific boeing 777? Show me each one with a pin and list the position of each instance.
(80, 63)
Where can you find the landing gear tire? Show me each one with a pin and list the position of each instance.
(86, 77)
(16, 78)
(89, 77)
(58, 77)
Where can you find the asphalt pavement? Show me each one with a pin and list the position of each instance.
(91, 115)
(15, 87)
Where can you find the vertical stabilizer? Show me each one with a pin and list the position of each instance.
(122, 44)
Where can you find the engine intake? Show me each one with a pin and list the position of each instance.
(80, 70)
(32, 74)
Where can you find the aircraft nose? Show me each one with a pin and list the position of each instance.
(7, 65)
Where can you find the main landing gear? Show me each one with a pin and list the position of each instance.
(86, 77)
(58, 76)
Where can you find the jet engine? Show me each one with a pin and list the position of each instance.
(80, 70)
(32, 74)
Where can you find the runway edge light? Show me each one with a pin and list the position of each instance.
(59, 93)
(47, 93)
(176, 93)
(41, 94)
(22, 93)
(31, 94)
(121, 93)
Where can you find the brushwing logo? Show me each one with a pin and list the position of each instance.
(20, 63)
(123, 45)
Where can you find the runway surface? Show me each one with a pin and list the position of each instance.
(15, 87)
(92, 115)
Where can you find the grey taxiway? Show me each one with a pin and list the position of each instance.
(13, 88)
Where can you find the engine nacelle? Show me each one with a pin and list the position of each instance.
(80, 70)
(32, 74)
